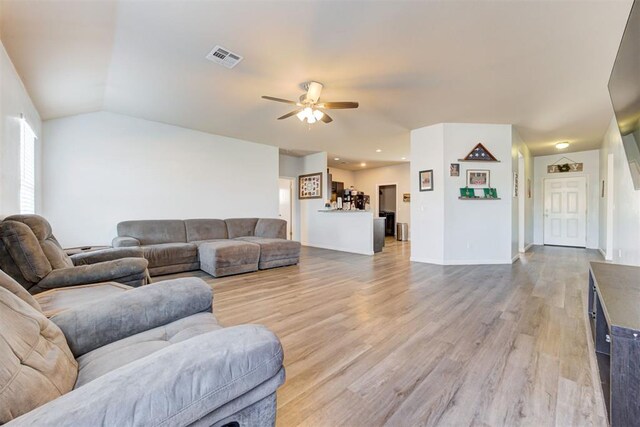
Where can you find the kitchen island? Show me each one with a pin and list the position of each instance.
(349, 231)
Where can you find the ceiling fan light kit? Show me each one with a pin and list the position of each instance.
(309, 107)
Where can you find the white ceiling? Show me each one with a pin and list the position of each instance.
(541, 65)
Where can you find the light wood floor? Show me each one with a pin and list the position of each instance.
(379, 340)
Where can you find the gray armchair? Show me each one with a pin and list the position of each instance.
(31, 254)
(149, 356)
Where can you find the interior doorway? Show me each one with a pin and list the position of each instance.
(521, 204)
(388, 207)
(565, 211)
(285, 192)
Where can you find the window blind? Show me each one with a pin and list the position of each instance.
(27, 169)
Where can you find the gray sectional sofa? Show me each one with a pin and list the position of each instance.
(218, 247)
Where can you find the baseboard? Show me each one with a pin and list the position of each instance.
(460, 261)
(477, 262)
(603, 253)
(516, 257)
(529, 246)
(426, 260)
(336, 248)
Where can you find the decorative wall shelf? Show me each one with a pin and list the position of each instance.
(479, 198)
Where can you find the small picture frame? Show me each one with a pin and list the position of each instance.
(454, 169)
(426, 180)
(310, 186)
(478, 178)
(467, 193)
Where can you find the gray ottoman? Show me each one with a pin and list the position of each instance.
(275, 252)
(226, 257)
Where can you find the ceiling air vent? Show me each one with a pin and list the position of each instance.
(224, 57)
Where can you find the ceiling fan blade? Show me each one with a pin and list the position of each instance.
(326, 118)
(313, 93)
(286, 101)
(337, 105)
(286, 116)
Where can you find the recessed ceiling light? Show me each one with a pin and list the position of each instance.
(378, 151)
(363, 164)
(562, 145)
(403, 158)
(336, 158)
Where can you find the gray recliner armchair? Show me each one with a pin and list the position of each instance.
(154, 355)
(30, 253)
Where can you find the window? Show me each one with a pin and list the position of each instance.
(27, 168)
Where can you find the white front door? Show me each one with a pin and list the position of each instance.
(285, 189)
(565, 211)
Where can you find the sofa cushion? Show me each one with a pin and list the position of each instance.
(112, 356)
(271, 228)
(241, 227)
(18, 290)
(170, 253)
(205, 229)
(225, 257)
(36, 365)
(25, 251)
(155, 231)
(49, 244)
(274, 249)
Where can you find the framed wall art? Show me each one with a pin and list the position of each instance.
(310, 186)
(478, 178)
(426, 180)
(454, 169)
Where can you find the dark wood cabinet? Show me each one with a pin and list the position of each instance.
(614, 313)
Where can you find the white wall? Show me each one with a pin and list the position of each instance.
(447, 230)
(427, 207)
(519, 147)
(626, 202)
(344, 176)
(102, 168)
(367, 181)
(312, 231)
(14, 100)
(591, 170)
(289, 166)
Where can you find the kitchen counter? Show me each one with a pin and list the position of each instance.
(347, 231)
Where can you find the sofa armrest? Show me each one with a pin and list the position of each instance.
(124, 242)
(111, 319)
(94, 273)
(94, 257)
(175, 386)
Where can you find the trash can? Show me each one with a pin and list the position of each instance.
(402, 231)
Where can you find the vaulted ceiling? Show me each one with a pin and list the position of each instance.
(540, 65)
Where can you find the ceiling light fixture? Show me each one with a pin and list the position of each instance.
(363, 164)
(378, 151)
(336, 158)
(403, 158)
(310, 115)
(562, 145)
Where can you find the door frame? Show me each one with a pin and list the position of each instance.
(586, 202)
(292, 205)
(522, 219)
(377, 206)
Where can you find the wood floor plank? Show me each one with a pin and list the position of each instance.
(372, 341)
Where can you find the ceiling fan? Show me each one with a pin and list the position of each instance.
(309, 107)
